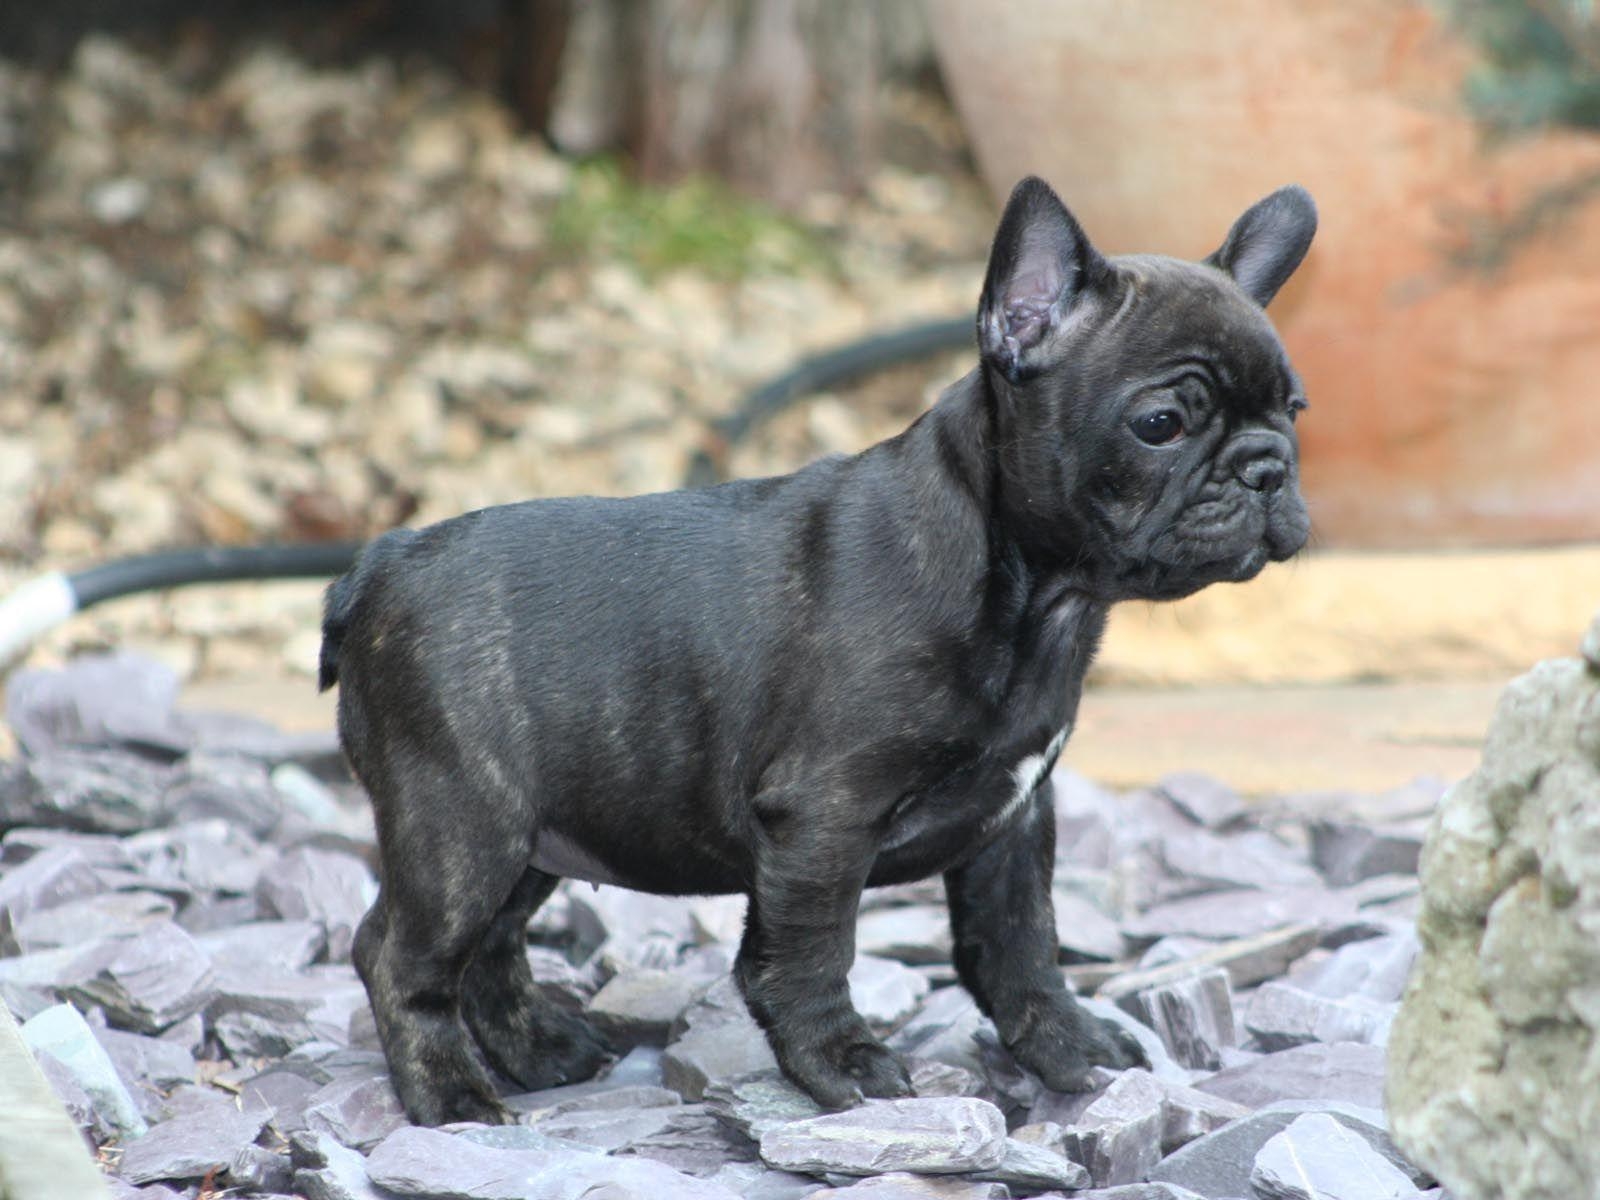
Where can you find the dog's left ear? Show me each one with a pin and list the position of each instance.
(1040, 267)
(1268, 242)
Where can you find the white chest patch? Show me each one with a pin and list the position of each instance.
(1027, 775)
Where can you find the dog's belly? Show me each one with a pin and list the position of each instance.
(642, 866)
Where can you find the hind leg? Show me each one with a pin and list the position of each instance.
(446, 873)
(523, 1034)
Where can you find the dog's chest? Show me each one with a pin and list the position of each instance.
(967, 806)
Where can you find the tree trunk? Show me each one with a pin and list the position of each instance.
(779, 97)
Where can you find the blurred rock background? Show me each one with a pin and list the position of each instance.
(258, 281)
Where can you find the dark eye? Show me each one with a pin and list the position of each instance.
(1297, 405)
(1157, 428)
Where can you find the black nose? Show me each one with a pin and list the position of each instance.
(1264, 474)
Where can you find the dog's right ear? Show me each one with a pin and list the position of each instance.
(1040, 266)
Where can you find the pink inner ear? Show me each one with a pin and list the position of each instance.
(1028, 305)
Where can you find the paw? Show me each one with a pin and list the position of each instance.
(1121, 1051)
(466, 1099)
(841, 1071)
(1062, 1050)
(546, 1049)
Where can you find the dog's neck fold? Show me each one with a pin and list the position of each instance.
(1031, 594)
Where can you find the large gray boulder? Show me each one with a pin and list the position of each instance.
(1494, 1067)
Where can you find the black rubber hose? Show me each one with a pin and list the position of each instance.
(818, 373)
(215, 564)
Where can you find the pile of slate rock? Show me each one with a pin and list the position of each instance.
(178, 892)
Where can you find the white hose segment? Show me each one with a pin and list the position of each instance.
(32, 610)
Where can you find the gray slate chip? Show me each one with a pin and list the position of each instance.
(901, 1186)
(1347, 852)
(885, 992)
(258, 1169)
(707, 1053)
(268, 1013)
(1375, 969)
(1117, 1136)
(148, 1065)
(283, 1091)
(335, 890)
(414, 1161)
(1219, 1164)
(755, 1103)
(328, 1171)
(912, 934)
(144, 983)
(604, 1130)
(1083, 931)
(62, 1033)
(257, 946)
(1205, 801)
(190, 1144)
(1238, 914)
(595, 1095)
(91, 791)
(1029, 1168)
(640, 1005)
(1345, 1071)
(1280, 1015)
(694, 1142)
(47, 879)
(1317, 1158)
(1193, 1015)
(942, 1135)
(92, 701)
(110, 914)
(358, 1113)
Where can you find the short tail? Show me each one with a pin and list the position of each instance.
(346, 593)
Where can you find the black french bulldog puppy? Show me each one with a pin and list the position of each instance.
(798, 687)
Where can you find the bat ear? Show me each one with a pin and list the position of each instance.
(1040, 266)
(1268, 242)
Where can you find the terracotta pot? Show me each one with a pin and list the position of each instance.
(1447, 321)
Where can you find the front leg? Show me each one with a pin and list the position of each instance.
(812, 860)
(1005, 951)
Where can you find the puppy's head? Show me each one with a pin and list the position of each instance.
(1144, 405)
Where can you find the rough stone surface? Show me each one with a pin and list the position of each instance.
(900, 1186)
(191, 1144)
(1347, 852)
(334, 890)
(1118, 1135)
(1029, 1168)
(1281, 1015)
(1247, 961)
(441, 1166)
(640, 1005)
(1193, 1015)
(144, 983)
(1318, 1158)
(885, 992)
(62, 1033)
(1494, 1061)
(1219, 1164)
(914, 933)
(935, 1136)
(1347, 1071)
